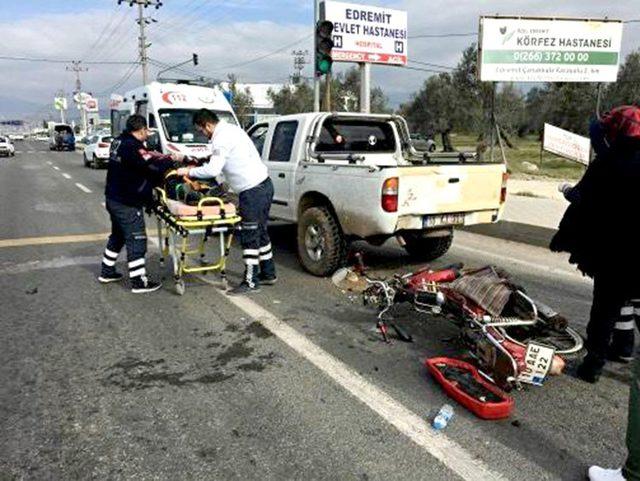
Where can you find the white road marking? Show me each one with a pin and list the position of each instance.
(103, 204)
(574, 276)
(31, 152)
(56, 167)
(448, 452)
(49, 162)
(18, 151)
(66, 176)
(83, 188)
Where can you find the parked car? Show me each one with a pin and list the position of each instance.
(344, 177)
(6, 147)
(15, 137)
(96, 152)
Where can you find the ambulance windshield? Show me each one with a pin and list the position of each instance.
(178, 125)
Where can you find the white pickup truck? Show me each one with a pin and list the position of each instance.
(345, 176)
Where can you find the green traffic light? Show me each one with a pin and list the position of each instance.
(324, 66)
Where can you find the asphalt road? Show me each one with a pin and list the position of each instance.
(97, 383)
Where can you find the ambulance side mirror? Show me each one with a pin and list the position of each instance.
(153, 141)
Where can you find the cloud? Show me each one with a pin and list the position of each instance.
(226, 35)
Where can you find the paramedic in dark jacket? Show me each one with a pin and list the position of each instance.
(235, 156)
(132, 172)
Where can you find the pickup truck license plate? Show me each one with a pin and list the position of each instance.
(442, 219)
(538, 361)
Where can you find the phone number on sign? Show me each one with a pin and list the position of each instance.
(550, 57)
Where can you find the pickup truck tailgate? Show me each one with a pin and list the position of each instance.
(435, 189)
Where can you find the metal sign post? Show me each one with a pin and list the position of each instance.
(365, 88)
(316, 80)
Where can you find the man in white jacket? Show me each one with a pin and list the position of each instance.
(235, 156)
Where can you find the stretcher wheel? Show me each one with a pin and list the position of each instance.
(180, 287)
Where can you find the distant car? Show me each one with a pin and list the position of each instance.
(6, 147)
(42, 138)
(61, 137)
(422, 142)
(96, 152)
(15, 137)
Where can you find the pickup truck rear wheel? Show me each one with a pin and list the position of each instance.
(321, 245)
(427, 248)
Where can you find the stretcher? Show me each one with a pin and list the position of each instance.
(184, 230)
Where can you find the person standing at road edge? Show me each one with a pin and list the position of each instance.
(132, 173)
(600, 235)
(234, 155)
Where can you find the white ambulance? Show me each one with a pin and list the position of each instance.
(169, 110)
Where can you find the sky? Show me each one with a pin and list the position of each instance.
(229, 36)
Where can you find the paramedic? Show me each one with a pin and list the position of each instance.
(132, 172)
(235, 156)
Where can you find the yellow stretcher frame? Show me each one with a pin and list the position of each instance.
(175, 234)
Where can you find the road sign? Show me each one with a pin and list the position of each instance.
(91, 104)
(566, 144)
(60, 103)
(549, 50)
(366, 34)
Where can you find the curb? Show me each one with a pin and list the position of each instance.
(516, 232)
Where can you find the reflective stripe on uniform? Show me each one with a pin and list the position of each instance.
(625, 325)
(110, 254)
(627, 311)
(138, 272)
(266, 257)
(265, 249)
(108, 262)
(136, 263)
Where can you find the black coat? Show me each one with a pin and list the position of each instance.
(133, 171)
(600, 228)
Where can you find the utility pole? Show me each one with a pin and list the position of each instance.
(142, 22)
(77, 68)
(299, 61)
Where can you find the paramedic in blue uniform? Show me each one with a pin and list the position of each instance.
(132, 172)
(234, 155)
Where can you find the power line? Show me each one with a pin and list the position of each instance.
(106, 45)
(424, 69)
(107, 26)
(127, 75)
(445, 35)
(142, 23)
(51, 60)
(428, 64)
(267, 55)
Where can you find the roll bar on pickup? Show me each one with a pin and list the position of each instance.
(410, 152)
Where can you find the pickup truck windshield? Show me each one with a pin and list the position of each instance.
(353, 136)
(178, 125)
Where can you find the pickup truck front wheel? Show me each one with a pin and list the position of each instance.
(427, 248)
(321, 245)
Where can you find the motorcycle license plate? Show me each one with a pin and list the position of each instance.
(442, 219)
(538, 359)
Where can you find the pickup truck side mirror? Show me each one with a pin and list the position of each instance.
(153, 141)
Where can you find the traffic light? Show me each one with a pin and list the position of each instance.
(324, 44)
(195, 59)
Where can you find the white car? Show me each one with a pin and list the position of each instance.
(15, 137)
(96, 152)
(6, 147)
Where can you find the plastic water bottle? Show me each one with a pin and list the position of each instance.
(443, 417)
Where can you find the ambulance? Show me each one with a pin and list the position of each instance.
(169, 109)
